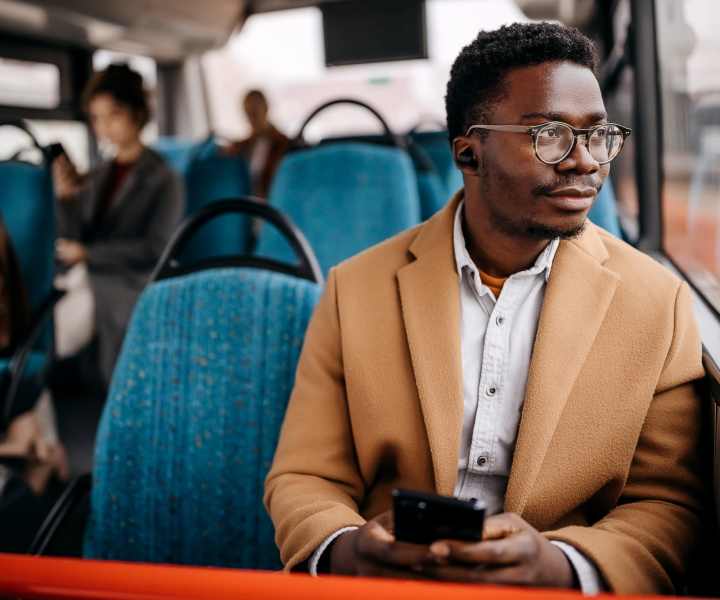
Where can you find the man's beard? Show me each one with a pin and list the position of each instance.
(521, 227)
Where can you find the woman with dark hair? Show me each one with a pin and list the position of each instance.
(114, 222)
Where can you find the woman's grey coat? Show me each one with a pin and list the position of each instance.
(126, 244)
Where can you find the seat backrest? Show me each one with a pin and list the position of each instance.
(178, 152)
(209, 179)
(344, 197)
(192, 419)
(604, 211)
(28, 211)
(435, 144)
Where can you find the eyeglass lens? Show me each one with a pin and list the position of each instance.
(555, 140)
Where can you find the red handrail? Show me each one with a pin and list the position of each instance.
(62, 578)
(33, 577)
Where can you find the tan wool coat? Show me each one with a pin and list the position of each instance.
(606, 455)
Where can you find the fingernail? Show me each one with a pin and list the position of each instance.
(440, 549)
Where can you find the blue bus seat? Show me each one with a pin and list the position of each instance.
(344, 197)
(27, 210)
(431, 188)
(209, 178)
(192, 419)
(604, 211)
(437, 147)
(179, 152)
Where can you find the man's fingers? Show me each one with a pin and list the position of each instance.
(502, 525)
(514, 575)
(369, 568)
(378, 545)
(507, 551)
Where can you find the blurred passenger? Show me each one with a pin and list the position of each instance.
(264, 148)
(31, 434)
(114, 222)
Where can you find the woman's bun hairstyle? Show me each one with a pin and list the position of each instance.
(124, 85)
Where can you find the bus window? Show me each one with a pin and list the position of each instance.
(690, 86)
(296, 81)
(619, 101)
(29, 84)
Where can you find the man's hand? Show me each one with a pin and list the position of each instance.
(511, 553)
(372, 551)
(70, 252)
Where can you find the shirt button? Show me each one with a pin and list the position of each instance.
(481, 461)
(492, 390)
(499, 320)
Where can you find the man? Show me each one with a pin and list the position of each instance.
(506, 350)
(264, 148)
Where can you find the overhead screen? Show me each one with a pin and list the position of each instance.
(366, 31)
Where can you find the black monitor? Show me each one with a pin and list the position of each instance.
(366, 31)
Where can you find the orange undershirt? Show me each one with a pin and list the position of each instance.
(494, 283)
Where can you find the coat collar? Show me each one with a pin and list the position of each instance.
(578, 294)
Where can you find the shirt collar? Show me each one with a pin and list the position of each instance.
(543, 263)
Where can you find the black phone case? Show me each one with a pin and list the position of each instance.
(422, 518)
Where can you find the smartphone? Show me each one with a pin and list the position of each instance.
(422, 518)
(54, 150)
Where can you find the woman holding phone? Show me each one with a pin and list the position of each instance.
(113, 222)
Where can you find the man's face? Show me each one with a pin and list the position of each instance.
(256, 111)
(524, 196)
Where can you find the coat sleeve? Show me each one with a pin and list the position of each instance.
(144, 250)
(645, 543)
(314, 486)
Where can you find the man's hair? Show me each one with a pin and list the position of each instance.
(257, 95)
(125, 86)
(478, 74)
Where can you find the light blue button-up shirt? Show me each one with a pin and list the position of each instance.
(496, 342)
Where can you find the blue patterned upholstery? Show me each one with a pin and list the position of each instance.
(28, 210)
(344, 197)
(604, 211)
(191, 422)
(436, 145)
(179, 152)
(212, 178)
(432, 193)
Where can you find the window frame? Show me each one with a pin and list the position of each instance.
(74, 64)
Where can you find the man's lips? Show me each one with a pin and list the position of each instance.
(578, 192)
(572, 198)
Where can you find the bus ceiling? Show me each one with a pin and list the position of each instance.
(171, 30)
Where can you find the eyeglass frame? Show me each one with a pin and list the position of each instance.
(533, 130)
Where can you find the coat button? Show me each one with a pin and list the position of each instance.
(492, 390)
(499, 320)
(481, 461)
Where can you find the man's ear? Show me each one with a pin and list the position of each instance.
(464, 155)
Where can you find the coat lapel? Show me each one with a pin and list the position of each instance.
(429, 295)
(577, 297)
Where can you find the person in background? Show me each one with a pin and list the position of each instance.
(31, 433)
(114, 222)
(264, 148)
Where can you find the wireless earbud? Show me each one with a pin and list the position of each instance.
(467, 158)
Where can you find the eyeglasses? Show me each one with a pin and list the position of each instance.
(554, 141)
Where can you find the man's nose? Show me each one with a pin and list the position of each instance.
(579, 160)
